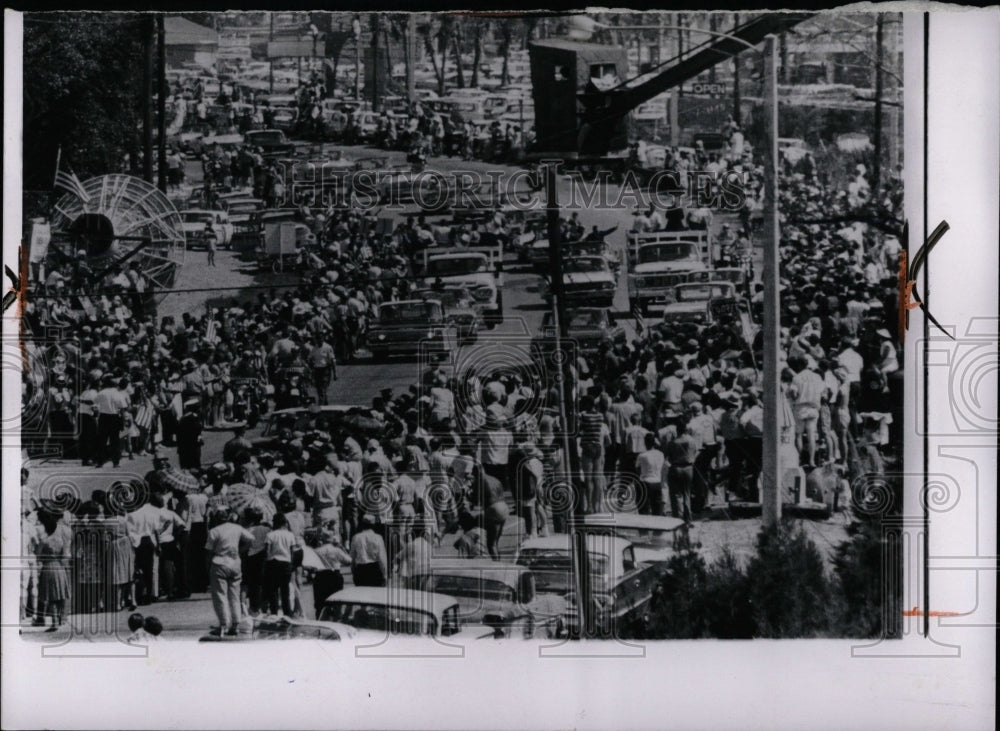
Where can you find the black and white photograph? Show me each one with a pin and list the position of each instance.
(411, 333)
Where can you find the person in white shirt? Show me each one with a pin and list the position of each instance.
(368, 556)
(224, 543)
(279, 546)
(650, 464)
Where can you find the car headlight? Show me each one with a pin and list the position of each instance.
(483, 294)
(381, 336)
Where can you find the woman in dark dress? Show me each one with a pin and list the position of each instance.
(189, 436)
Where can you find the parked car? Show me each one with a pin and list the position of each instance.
(410, 327)
(496, 594)
(195, 222)
(620, 584)
(395, 611)
(244, 214)
(654, 537)
(272, 141)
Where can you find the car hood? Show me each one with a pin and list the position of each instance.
(681, 308)
(659, 267)
(588, 277)
(469, 279)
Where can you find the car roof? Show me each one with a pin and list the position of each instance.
(458, 255)
(199, 210)
(508, 573)
(632, 520)
(406, 302)
(396, 597)
(562, 541)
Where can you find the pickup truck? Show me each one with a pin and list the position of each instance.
(480, 268)
(660, 260)
(621, 584)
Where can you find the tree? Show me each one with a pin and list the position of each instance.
(82, 92)
(478, 26)
(429, 33)
(506, 38)
(454, 35)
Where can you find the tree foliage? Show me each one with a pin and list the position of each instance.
(82, 92)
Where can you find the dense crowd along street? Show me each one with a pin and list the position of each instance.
(388, 391)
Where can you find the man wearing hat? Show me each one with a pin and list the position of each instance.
(731, 433)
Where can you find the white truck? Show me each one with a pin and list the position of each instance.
(660, 260)
(480, 268)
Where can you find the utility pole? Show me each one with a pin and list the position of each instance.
(161, 101)
(356, 28)
(578, 539)
(375, 90)
(411, 57)
(270, 61)
(736, 77)
(713, 25)
(149, 30)
(879, 59)
(771, 477)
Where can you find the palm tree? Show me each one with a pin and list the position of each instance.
(455, 28)
(506, 38)
(431, 32)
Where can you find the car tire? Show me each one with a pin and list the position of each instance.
(380, 356)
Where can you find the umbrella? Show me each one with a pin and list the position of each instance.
(239, 494)
(311, 560)
(264, 505)
(179, 480)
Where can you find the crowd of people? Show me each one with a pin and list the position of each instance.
(665, 422)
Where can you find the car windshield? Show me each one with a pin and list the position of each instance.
(586, 318)
(379, 617)
(653, 253)
(469, 587)
(553, 569)
(197, 217)
(586, 264)
(415, 312)
(701, 292)
(449, 298)
(238, 208)
(456, 266)
(646, 537)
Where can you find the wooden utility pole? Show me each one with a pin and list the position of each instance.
(578, 541)
(149, 30)
(879, 90)
(736, 77)
(411, 57)
(771, 477)
(161, 101)
(270, 61)
(375, 89)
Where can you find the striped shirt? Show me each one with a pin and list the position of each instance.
(591, 423)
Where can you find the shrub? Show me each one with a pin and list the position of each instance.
(867, 609)
(727, 600)
(789, 592)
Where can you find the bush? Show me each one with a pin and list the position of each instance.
(727, 600)
(789, 592)
(676, 610)
(867, 610)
